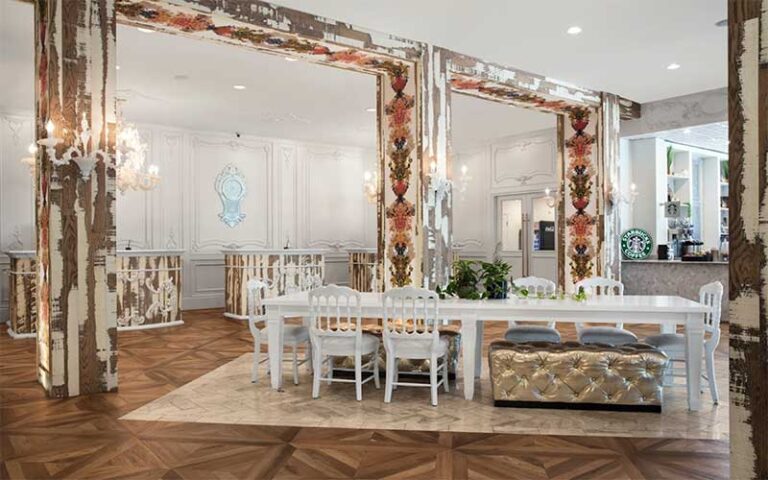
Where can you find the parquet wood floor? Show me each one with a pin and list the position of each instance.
(83, 437)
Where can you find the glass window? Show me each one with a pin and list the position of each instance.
(543, 226)
(511, 225)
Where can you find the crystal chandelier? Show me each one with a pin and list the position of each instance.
(371, 187)
(132, 170)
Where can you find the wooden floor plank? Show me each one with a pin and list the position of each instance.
(84, 437)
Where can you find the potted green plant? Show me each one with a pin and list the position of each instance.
(495, 278)
(463, 282)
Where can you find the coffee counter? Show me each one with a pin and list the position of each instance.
(673, 277)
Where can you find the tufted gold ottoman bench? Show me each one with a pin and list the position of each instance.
(572, 375)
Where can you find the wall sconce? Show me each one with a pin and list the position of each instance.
(464, 179)
(31, 160)
(78, 153)
(552, 200)
(371, 186)
(615, 196)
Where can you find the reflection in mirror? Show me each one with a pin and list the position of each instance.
(510, 154)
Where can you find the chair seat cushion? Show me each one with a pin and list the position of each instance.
(532, 333)
(337, 346)
(607, 335)
(666, 340)
(291, 334)
(415, 349)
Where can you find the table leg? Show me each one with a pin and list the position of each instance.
(694, 354)
(479, 349)
(275, 346)
(469, 342)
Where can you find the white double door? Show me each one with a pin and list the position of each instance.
(526, 234)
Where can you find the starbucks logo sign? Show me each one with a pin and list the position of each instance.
(636, 244)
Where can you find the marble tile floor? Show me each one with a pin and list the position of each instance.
(226, 396)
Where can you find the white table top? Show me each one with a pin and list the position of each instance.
(627, 303)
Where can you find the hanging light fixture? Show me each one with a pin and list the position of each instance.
(371, 186)
(133, 173)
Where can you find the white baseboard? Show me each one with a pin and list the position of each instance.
(151, 326)
(19, 336)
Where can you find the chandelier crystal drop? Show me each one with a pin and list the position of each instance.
(133, 172)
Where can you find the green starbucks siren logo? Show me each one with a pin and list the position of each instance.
(636, 244)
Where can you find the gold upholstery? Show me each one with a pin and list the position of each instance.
(407, 365)
(572, 373)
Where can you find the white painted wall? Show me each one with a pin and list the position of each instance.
(517, 164)
(310, 194)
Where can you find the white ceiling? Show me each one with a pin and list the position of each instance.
(624, 48)
(712, 136)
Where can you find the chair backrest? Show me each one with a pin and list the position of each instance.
(536, 285)
(335, 311)
(411, 313)
(711, 295)
(601, 286)
(256, 291)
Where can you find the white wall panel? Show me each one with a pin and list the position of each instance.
(516, 164)
(309, 194)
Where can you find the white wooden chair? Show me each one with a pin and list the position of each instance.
(614, 334)
(410, 331)
(530, 332)
(673, 344)
(293, 335)
(336, 331)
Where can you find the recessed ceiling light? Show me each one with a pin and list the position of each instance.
(574, 30)
(145, 30)
(673, 66)
(291, 59)
(371, 110)
(238, 87)
(722, 23)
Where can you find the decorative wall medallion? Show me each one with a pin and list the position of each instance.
(636, 244)
(230, 185)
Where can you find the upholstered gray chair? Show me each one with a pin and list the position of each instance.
(523, 333)
(612, 335)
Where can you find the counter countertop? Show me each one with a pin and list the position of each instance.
(276, 251)
(149, 252)
(655, 261)
(21, 253)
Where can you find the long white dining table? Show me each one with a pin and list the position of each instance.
(667, 311)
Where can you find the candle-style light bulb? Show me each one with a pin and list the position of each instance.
(547, 191)
(464, 169)
(633, 188)
(49, 126)
(432, 166)
(367, 176)
(32, 149)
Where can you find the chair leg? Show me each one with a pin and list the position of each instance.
(295, 366)
(308, 357)
(376, 381)
(710, 359)
(396, 373)
(317, 373)
(433, 379)
(390, 374)
(445, 373)
(358, 376)
(256, 358)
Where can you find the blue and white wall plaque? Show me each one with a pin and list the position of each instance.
(230, 185)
